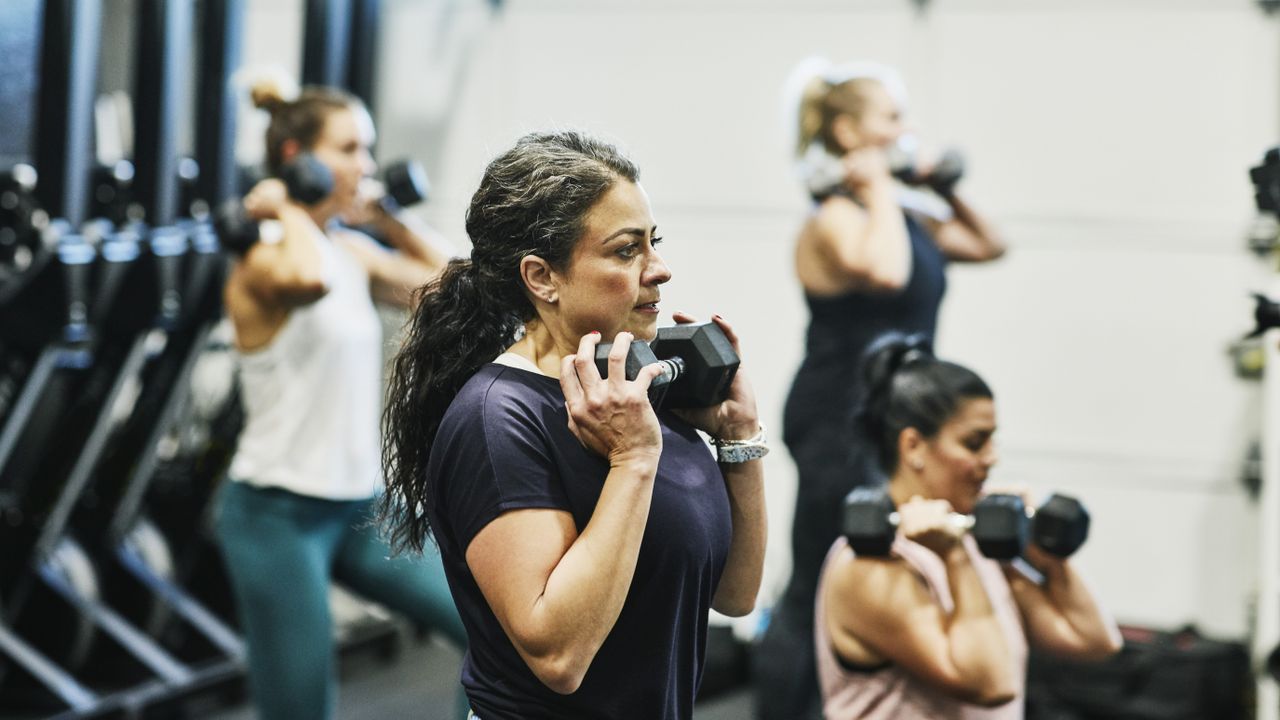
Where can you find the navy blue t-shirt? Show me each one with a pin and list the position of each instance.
(504, 444)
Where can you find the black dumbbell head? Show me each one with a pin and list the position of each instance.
(406, 183)
(237, 232)
(710, 363)
(1060, 526)
(948, 171)
(308, 179)
(1266, 182)
(1000, 526)
(866, 523)
(639, 355)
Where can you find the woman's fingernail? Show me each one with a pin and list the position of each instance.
(595, 332)
(717, 317)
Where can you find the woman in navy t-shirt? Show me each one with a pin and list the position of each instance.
(584, 535)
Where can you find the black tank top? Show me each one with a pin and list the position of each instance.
(826, 387)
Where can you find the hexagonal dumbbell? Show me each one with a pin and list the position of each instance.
(699, 363)
(1060, 526)
(308, 181)
(1001, 524)
(406, 184)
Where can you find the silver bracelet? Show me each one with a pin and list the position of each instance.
(739, 451)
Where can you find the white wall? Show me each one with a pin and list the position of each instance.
(1108, 139)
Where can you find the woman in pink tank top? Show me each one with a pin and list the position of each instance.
(936, 630)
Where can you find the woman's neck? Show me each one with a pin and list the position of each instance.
(321, 216)
(540, 346)
(903, 486)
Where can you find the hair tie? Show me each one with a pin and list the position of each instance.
(912, 355)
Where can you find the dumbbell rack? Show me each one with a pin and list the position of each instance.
(1266, 632)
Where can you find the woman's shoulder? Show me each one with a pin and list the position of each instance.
(498, 392)
(837, 206)
(876, 590)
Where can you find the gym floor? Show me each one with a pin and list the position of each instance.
(420, 683)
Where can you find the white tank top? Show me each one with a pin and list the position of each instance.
(313, 395)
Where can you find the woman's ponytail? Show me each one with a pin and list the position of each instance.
(906, 386)
(460, 323)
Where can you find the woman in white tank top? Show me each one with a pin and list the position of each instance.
(936, 630)
(297, 507)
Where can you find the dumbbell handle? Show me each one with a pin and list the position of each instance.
(960, 522)
(672, 368)
(963, 522)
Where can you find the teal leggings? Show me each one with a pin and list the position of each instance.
(281, 549)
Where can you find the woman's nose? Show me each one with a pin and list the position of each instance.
(657, 271)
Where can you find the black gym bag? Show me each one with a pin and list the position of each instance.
(1157, 676)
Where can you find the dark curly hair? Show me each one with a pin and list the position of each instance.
(908, 387)
(532, 200)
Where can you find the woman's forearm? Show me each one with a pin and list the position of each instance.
(1071, 595)
(977, 642)
(879, 253)
(413, 239)
(296, 267)
(585, 592)
(744, 568)
(982, 230)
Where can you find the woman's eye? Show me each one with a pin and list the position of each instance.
(627, 251)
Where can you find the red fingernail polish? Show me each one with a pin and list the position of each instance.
(595, 332)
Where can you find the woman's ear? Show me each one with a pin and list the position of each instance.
(844, 129)
(911, 448)
(289, 149)
(540, 279)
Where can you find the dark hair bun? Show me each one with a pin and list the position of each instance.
(886, 355)
(889, 353)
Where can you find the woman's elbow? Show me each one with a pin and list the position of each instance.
(886, 282)
(301, 287)
(995, 249)
(1095, 647)
(562, 674)
(1101, 649)
(993, 697)
(874, 279)
(987, 689)
(735, 607)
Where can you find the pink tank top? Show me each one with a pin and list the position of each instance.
(890, 693)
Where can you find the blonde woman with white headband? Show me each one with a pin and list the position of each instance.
(871, 256)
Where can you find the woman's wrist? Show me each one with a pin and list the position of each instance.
(742, 449)
(1049, 566)
(955, 554)
(738, 430)
(641, 462)
(386, 222)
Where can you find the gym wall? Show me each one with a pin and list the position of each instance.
(1109, 139)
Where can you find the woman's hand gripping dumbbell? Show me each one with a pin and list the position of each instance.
(1001, 524)
(699, 364)
(305, 180)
